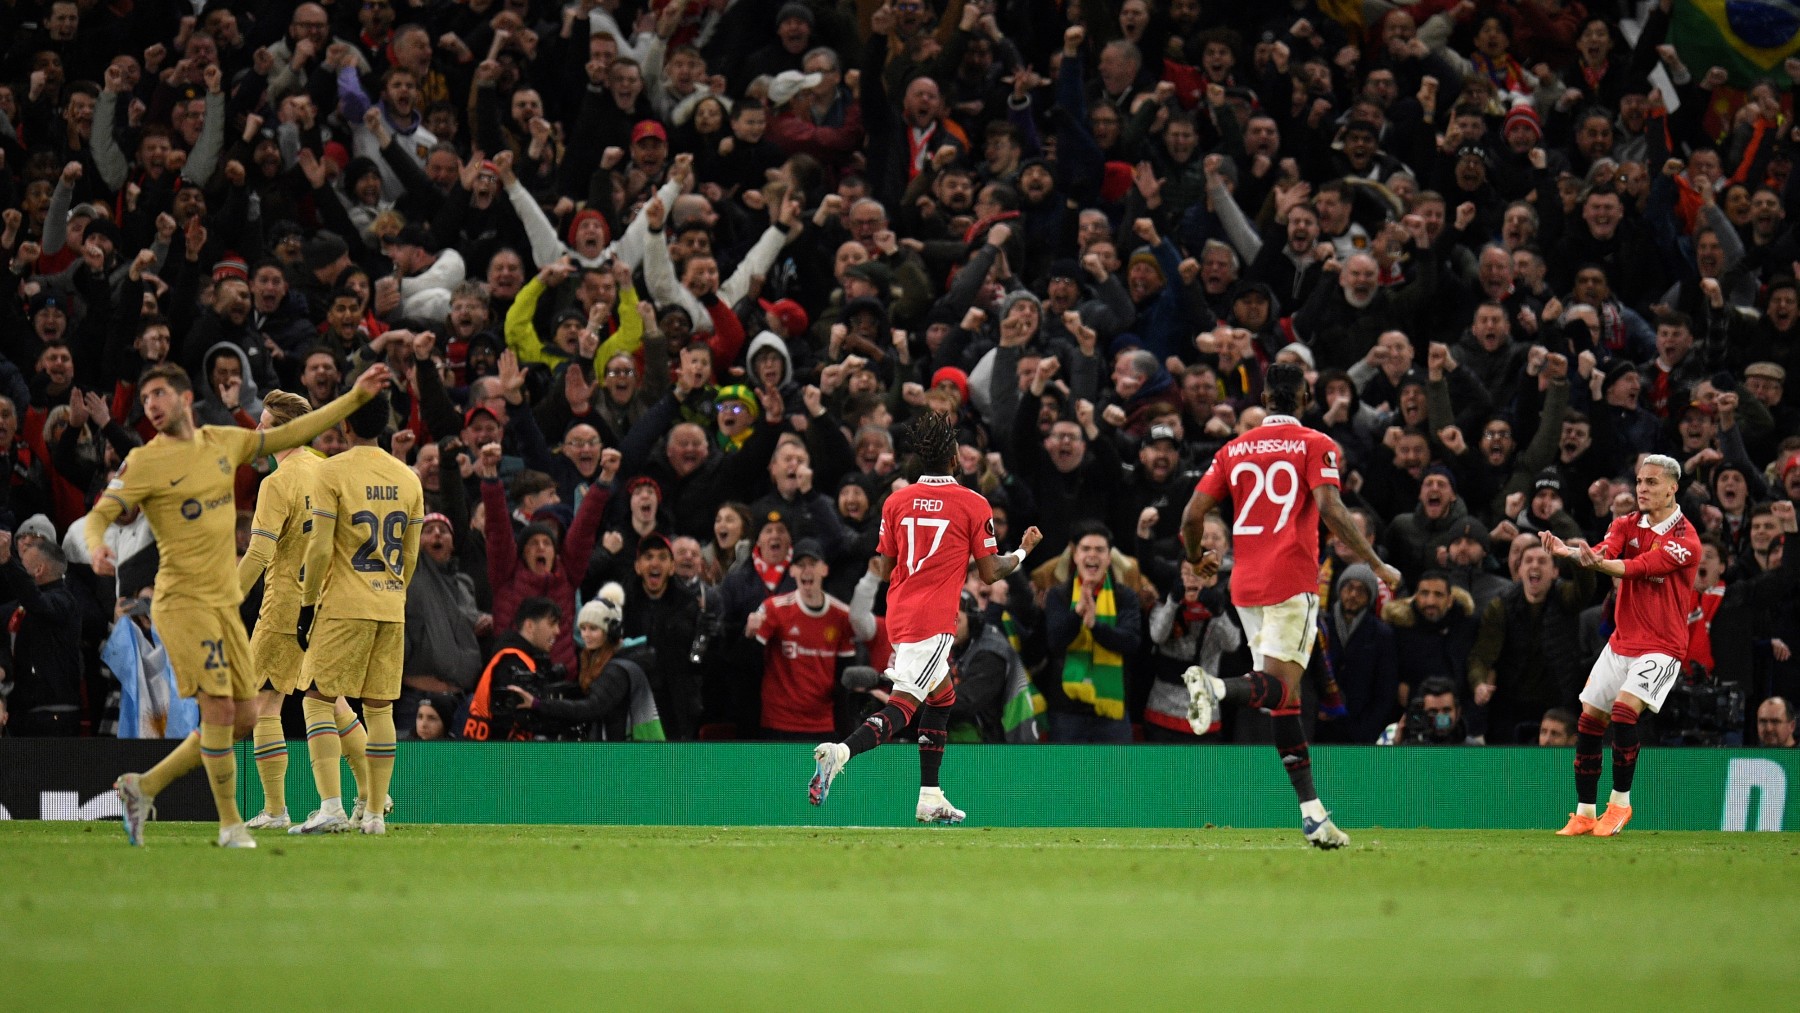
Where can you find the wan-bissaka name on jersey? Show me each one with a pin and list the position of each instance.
(185, 488)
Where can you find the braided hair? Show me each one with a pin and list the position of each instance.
(1284, 387)
(932, 439)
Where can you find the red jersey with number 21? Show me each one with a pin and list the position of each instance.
(932, 528)
(1265, 479)
(1657, 594)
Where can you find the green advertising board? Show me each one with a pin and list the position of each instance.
(708, 784)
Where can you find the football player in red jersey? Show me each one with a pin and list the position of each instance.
(1282, 478)
(1655, 552)
(929, 532)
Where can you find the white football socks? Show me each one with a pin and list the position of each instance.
(1622, 799)
(1313, 810)
(1588, 809)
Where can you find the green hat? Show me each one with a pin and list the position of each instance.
(739, 392)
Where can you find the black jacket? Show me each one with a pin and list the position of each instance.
(46, 665)
(668, 624)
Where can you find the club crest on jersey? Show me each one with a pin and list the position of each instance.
(224, 466)
(190, 509)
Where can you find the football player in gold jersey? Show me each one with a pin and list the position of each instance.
(277, 550)
(367, 511)
(183, 480)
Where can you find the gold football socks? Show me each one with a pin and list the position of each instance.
(221, 770)
(380, 718)
(270, 749)
(182, 759)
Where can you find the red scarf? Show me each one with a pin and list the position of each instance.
(771, 573)
(1593, 75)
(919, 147)
(1505, 72)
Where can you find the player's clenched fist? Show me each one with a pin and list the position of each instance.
(1030, 539)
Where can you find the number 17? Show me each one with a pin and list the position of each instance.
(913, 559)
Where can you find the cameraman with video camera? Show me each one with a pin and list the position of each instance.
(610, 698)
(1434, 718)
(521, 661)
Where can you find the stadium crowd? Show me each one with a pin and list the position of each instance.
(691, 264)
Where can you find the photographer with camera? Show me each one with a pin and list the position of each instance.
(610, 699)
(1434, 718)
(521, 661)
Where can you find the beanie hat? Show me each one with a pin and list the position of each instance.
(607, 610)
(956, 378)
(583, 215)
(535, 529)
(231, 267)
(794, 10)
(1115, 181)
(739, 392)
(1523, 113)
(323, 249)
(1017, 296)
(1615, 371)
(1438, 469)
(1142, 255)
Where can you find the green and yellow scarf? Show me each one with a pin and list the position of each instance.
(1092, 673)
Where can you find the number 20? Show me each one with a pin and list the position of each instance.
(1265, 486)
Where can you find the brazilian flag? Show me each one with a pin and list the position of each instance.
(1748, 38)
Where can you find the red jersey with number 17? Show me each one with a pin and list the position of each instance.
(932, 529)
(1266, 478)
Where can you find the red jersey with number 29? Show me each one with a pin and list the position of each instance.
(1266, 479)
(932, 529)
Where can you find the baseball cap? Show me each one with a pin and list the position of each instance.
(791, 314)
(469, 416)
(789, 83)
(654, 540)
(649, 128)
(807, 548)
(1162, 433)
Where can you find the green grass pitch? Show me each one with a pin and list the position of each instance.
(530, 918)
